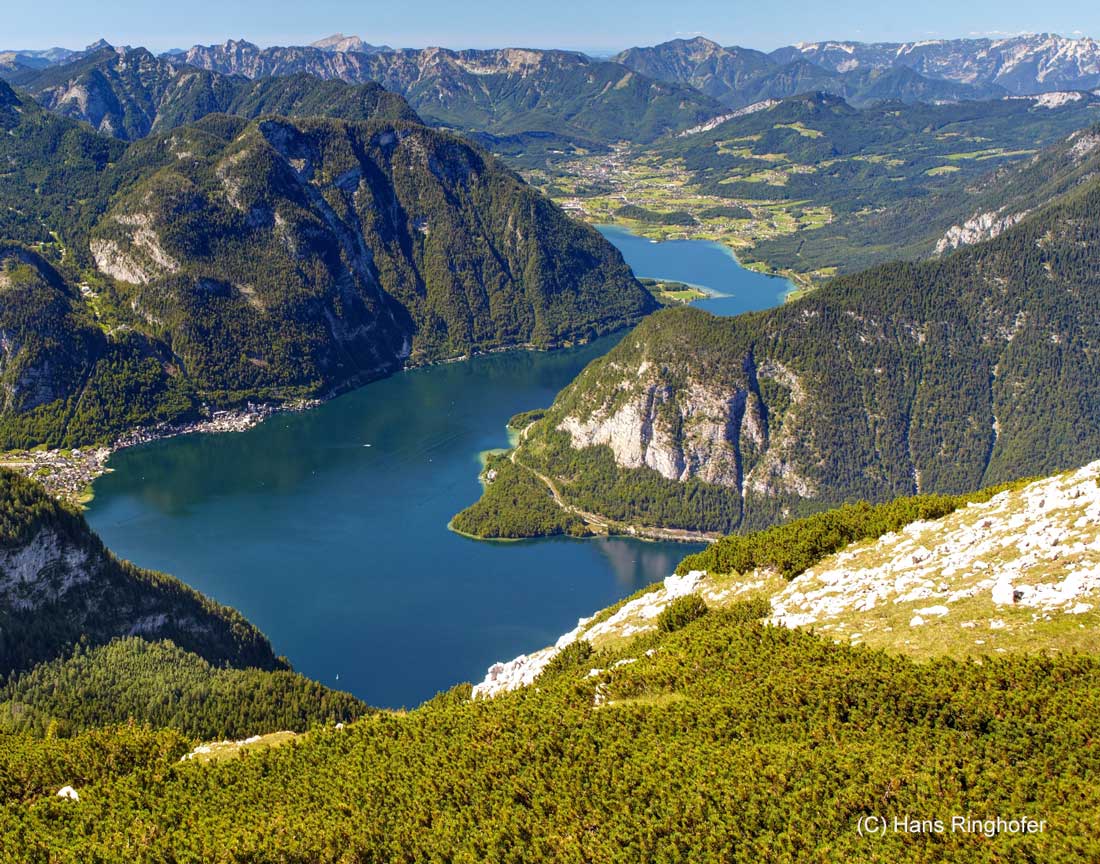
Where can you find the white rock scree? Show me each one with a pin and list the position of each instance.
(1037, 548)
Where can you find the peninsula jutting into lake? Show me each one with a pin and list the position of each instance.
(378, 473)
(566, 434)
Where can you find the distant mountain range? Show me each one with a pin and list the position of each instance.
(129, 93)
(857, 70)
(740, 76)
(577, 101)
(860, 72)
(1024, 64)
(500, 92)
(547, 99)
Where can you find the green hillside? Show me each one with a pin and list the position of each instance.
(161, 684)
(272, 259)
(965, 210)
(728, 741)
(810, 186)
(937, 377)
(819, 149)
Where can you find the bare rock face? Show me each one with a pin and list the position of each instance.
(141, 261)
(42, 571)
(689, 434)
(713, 432)
(59, 585)
(979, 227)
(1087, 142)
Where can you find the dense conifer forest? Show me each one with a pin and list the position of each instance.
(731, 741)
(935, 377)
(231, 260)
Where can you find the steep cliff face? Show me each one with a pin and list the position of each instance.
(939, 377)
(58, 584)
(692, 432)
(979, 227)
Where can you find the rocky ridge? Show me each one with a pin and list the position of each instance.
(1019, 572)
(1025, 64)
(981, 226)
(1021, 558)
(634, 616)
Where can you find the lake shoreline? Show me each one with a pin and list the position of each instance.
(339, 551)
(68, 474)
(800, 283)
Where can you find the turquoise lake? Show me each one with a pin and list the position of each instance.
(327, 529)
(704, 264)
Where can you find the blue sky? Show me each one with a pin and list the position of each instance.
(582, 24)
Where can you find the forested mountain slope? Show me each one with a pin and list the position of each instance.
(1004, 198)
(818, 148)
(934, 377)
(971, 207)
(157, 682)
(60, 586)
(50, 170)
(745, 741)
(131, 93)
(84, 641)
(375, 241)
(272, 259)
(890, 180)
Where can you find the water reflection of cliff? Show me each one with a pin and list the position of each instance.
(636, 565)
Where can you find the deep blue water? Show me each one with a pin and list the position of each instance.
(703, 263)
(328, 529)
